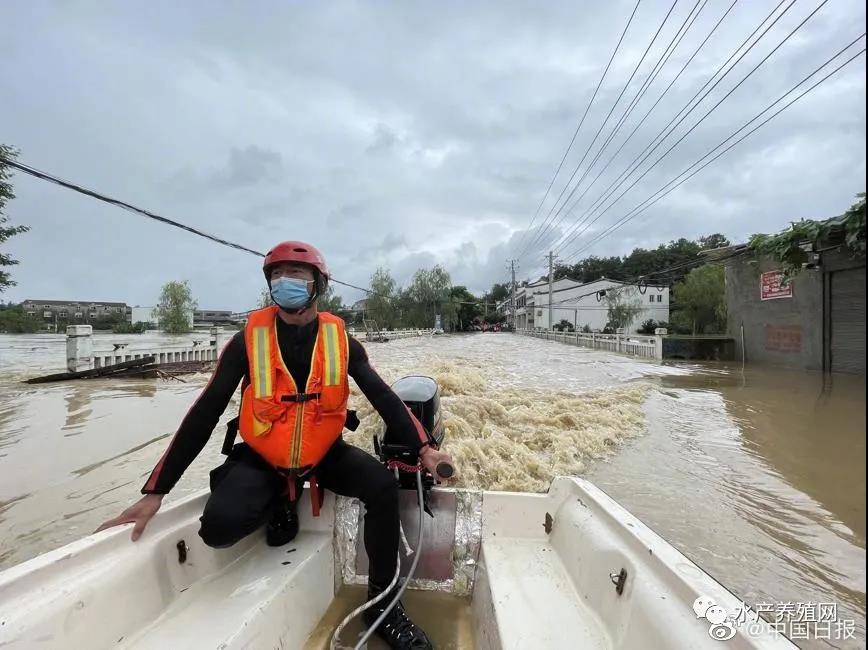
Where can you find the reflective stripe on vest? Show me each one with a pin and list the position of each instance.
(261, 379)
(292, 427)
(332, 355)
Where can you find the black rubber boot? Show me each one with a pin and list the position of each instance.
(283, 525)
(396, 629)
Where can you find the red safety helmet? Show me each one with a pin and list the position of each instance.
(297, 252)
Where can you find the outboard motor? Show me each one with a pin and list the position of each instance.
(422, 396)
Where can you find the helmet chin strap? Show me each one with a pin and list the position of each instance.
(294, 312)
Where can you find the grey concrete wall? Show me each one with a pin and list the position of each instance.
(703, 348)
(787, 331)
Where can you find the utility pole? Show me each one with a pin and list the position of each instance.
(512, 270)
(551, 282)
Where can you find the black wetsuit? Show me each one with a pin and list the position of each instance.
(245, 488)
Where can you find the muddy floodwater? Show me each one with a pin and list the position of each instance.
(758, 475)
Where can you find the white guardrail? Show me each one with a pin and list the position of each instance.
(80, 354)
(637, 345)
(392, 334)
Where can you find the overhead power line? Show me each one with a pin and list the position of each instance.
(691, 105)
(581, 122)
(656, 103)
(541, 230)
(687, 174)
(647, 114)
(45, 176)
(662, 60)
(702, 119)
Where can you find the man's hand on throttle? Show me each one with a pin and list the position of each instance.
(431, 458)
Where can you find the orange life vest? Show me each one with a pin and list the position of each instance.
(294, 429)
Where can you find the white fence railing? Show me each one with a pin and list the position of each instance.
(392, 334)
(80, 354)
(646, 347)
(172, 354)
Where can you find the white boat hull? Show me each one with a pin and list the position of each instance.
(536, 567)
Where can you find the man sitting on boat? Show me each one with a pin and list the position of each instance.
(295, 363)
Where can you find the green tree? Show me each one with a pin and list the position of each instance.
(467, 307)
(499, 292)
(853, 222)
(7, 232)
(264, 299)
(622, 309)
(130, 328)
(641, 261)
(402, 308)
(788, 247)
(334, 304)
(430, 293)
(699, 301)
(713, 241)
(106, 322)
(174, 307)
(14, 320)
(379, 304)
(590, 269)
(330, 302)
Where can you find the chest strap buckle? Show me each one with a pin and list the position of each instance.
(299, 397)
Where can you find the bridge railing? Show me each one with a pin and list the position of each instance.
(637, 345)
(392, 335)
(81, 355)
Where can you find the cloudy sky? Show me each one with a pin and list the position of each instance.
(395, 134)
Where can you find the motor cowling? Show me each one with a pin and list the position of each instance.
(421, 394)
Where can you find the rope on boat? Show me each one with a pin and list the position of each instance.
(374, 601)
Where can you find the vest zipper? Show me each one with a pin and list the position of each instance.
(296, 439)
(296, 445)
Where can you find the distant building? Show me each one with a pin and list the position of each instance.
(208, 318)
(80, 312)
(145, 315)
(584, 304)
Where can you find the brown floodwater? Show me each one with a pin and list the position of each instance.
(446, 620)
(758, 475)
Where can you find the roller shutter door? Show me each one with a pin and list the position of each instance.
(847, 344)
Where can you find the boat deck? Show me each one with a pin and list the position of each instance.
(233, 607)
(542, 579)
(535, 601)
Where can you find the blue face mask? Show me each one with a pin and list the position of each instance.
(290, 293)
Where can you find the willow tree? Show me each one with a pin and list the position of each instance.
(430, 293)
(700, 300)
(175, 308)
(380, 303)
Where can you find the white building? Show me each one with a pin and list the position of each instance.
(143, 315)
(587, 304)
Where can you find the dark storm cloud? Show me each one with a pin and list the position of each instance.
(248, 166)
(396, 135)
